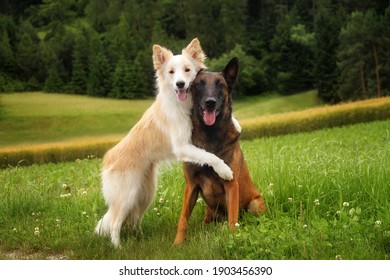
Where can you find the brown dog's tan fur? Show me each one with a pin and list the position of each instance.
(221, 138)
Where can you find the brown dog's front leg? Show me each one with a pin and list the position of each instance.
(190, 197)
(232, 201)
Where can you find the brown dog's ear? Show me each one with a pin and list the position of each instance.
(160, 56)
(230, 72)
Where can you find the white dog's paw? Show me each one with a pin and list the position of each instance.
(236, 124)
(224, 171)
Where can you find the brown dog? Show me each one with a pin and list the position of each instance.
(214, 131)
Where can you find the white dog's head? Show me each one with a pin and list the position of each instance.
(178, 71)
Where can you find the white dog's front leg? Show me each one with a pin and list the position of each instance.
(192, 154)
(236, 124)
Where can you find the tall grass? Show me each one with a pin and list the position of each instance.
(327, 194)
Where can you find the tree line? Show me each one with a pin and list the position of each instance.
(103, 47)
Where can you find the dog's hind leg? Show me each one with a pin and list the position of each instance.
(146, 196)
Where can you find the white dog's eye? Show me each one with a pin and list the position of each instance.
(171, 72)
(187, 70)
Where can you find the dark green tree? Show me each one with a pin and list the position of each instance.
(53, 81)
(121, 84)
(99, 80)
(29, 60)
(79, 76)
(327, 28)
(292, 56)
(356, 58)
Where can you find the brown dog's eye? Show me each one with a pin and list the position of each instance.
(201, 83)
(219, 84)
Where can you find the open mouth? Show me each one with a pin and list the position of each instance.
(181, 94)
(209, 115)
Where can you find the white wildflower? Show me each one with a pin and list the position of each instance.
(378, 224)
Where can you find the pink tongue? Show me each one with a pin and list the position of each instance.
(182, 94)
(209, 117)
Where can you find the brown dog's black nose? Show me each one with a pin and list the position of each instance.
(210, 102)
(180, 84)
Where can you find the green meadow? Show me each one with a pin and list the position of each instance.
(327, 191)
(43, 118)
(327, 194)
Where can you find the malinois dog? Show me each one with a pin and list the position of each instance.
(214, 131)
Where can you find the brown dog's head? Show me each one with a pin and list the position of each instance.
(212, 93)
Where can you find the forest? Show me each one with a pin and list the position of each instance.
(103, 47)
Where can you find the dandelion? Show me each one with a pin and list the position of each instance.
(316, 202)
(161, 200)
(304, 226)
(338, 213)
(155, 209)
(338, 257)
(84, 192)
(64, 185)
(15, 229)
(345, 204)
(36, 231)
(84, 213)
(237, 225)
(290, 199)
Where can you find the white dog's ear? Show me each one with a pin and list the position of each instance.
(194, 50)
(160, 56)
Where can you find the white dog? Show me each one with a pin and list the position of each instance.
(130, 168)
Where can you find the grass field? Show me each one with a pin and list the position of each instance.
(35, 118)
(327, 194)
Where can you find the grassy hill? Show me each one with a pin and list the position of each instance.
(32, 118)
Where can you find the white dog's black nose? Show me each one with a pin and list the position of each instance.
(180, 84)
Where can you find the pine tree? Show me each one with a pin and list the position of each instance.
(78, 83)
(121, 84)
(28, 57)
(327, 29)
(291, 56)
(99, 80)
(53, 81)
(358, 57)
